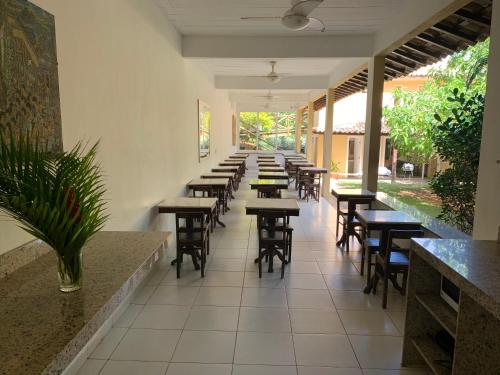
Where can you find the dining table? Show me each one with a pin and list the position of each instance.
(353, 197)
(219, 185)
(273, 175)
(384, 221)
(270, 169)
(271, 188)
(229, 175)
(176, 205)
(256, 206)
(269, 164)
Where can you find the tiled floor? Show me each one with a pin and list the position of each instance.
(316, 321)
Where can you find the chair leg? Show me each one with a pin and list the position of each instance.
(260, 265)
(405, 281)
(290, 248)
(179, 261)
(386, 287)
(364, 250)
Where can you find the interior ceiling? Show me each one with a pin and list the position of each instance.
(222, 17)
(260, 67)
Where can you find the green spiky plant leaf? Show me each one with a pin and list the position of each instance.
(56, 198)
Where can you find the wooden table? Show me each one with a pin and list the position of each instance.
(272, 188)
(255, 206)
(353, 197)
(232, 162)
(273, 175)
(220, 185)
(242, 157)
(233, 169)
(301, 163)
(187, 204)
(270, 169)
(269, 165)
(231, 176)
(383, 221)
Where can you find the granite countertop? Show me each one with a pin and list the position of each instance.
(474, 266)
(38, 322)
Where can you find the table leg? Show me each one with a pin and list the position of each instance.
(371, 282)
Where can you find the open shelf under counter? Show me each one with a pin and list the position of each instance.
(440, 310)
(474, 267)
(433, 355)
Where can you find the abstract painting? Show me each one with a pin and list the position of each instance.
(204, 118)
(29, 84)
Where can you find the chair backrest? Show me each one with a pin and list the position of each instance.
(190, 218)
(268, 220)
(398, 235)
(205, 191)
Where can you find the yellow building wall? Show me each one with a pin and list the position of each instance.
(339, 151)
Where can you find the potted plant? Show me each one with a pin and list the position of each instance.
(57, 198)
(334, 169)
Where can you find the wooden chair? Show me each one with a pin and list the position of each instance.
(273, 239)
(193, 238)
(342, 217)
(391, 261)
(311, 186)
(208, 192)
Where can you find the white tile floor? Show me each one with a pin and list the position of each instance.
(316, 321)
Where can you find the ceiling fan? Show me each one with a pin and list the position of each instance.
(273, 76)
(268, 96)
(297, 17)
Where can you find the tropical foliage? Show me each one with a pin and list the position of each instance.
(56, 198)
(267, 130)
(445, 117)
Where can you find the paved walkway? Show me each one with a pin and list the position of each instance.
(316, 321)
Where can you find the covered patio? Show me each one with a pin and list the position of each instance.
(227, 249)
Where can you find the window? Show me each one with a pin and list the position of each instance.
(267, 130)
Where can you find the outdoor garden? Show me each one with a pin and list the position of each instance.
(442, 120)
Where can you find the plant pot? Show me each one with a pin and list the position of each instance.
(70, 269)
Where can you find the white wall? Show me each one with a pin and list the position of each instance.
(123, 81)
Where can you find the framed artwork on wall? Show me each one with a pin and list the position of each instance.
(204, 120)
(29, 84)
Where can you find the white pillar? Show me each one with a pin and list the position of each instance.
(373, 123)
(310, 123)
(327, 140)
(487, 211)
(298, 129)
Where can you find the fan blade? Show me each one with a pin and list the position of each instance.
(304, 8)
(316, 25)
(259, 18)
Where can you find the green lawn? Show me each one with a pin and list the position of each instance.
(418, 195)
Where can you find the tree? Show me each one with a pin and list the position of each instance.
(411, 119)
(410, 124)
(457, 140)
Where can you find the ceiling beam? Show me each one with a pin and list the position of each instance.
(471, 17)
(438, 42)
(261, 83)
(409, 56)
(424, 51)
(401, 62)
(455, 32)
(331, 46)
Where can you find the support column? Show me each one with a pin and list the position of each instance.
(298, 130)
(327, 140)
(310, 123)
(373, 122)
(487, 211)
